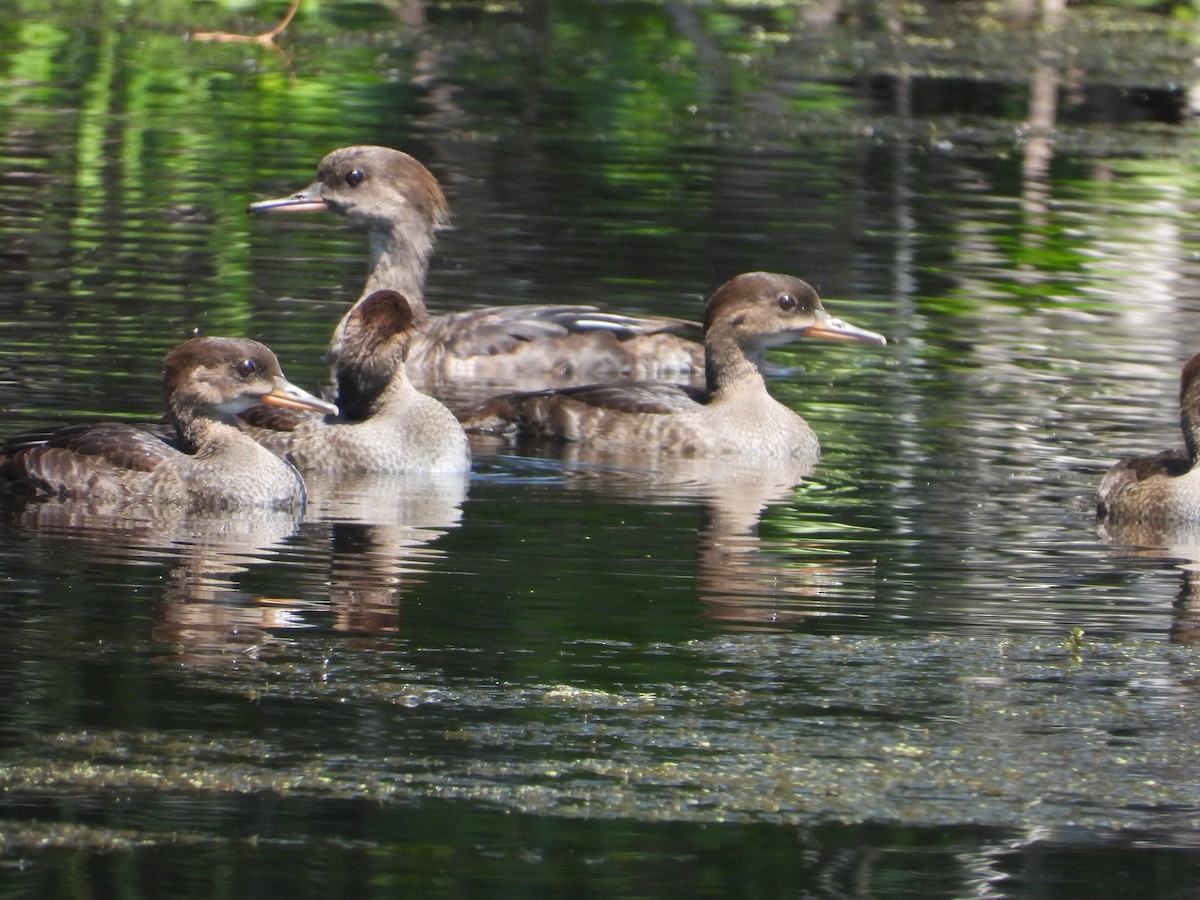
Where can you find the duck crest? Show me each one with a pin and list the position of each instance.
(379, 320)
(1189, 406)
(376, 338)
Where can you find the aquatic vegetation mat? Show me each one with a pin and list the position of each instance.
(769, 728)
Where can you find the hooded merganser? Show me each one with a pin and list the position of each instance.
(401, 430)
(203, 461)
(1163, 488)
(401, 205)
(733, 416)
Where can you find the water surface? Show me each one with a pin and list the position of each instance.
(918, 670)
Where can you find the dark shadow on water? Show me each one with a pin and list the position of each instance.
(261, 847)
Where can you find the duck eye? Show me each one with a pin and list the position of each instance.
(355, 177)
(246, 368)
(787, 302)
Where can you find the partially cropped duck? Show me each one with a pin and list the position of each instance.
(401, 205)
(733, 416)
(401, 430)
(1163, 488)
(204, 461)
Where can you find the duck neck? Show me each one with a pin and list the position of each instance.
(199, 434)
(364, 391)
(184, 426)
(728, 367)
(395, 392)
(1191, 435)
(399, 261)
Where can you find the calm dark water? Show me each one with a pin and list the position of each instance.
(919, 671)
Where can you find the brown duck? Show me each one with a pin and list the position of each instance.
(402, 431)
(400, 204)
(1163, 488)
(734, 416)
(202, 461)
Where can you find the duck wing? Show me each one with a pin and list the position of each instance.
(554, 413)
(81, 460)
(500, 330)
(648, 398)
(1121, 486)
(1168, 463)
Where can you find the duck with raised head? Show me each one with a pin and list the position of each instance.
(202, 461)
(401, 205)
(400, 431)
(1162, 489)
(734, 416)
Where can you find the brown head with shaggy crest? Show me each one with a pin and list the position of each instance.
(375, 339)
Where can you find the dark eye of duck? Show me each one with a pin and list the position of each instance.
(246, 368)
(787, 302)
(355, 177)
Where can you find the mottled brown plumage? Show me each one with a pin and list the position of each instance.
(1163, 488)
(201, 461)
(401, 205)
(733, 416)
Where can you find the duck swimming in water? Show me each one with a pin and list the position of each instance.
(1162, 489)
(734, 416)
(403, 430)
(401, 205)
(204, 461)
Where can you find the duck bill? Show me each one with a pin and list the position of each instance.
(287, 395)
(832, 329)
(307, 200)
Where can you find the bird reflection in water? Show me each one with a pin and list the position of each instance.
(360, 545)
(748, 581)
(1178, 541)
(203, 614)
(740, 579)
(382, 534)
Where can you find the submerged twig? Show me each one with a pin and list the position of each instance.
(267, 37)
